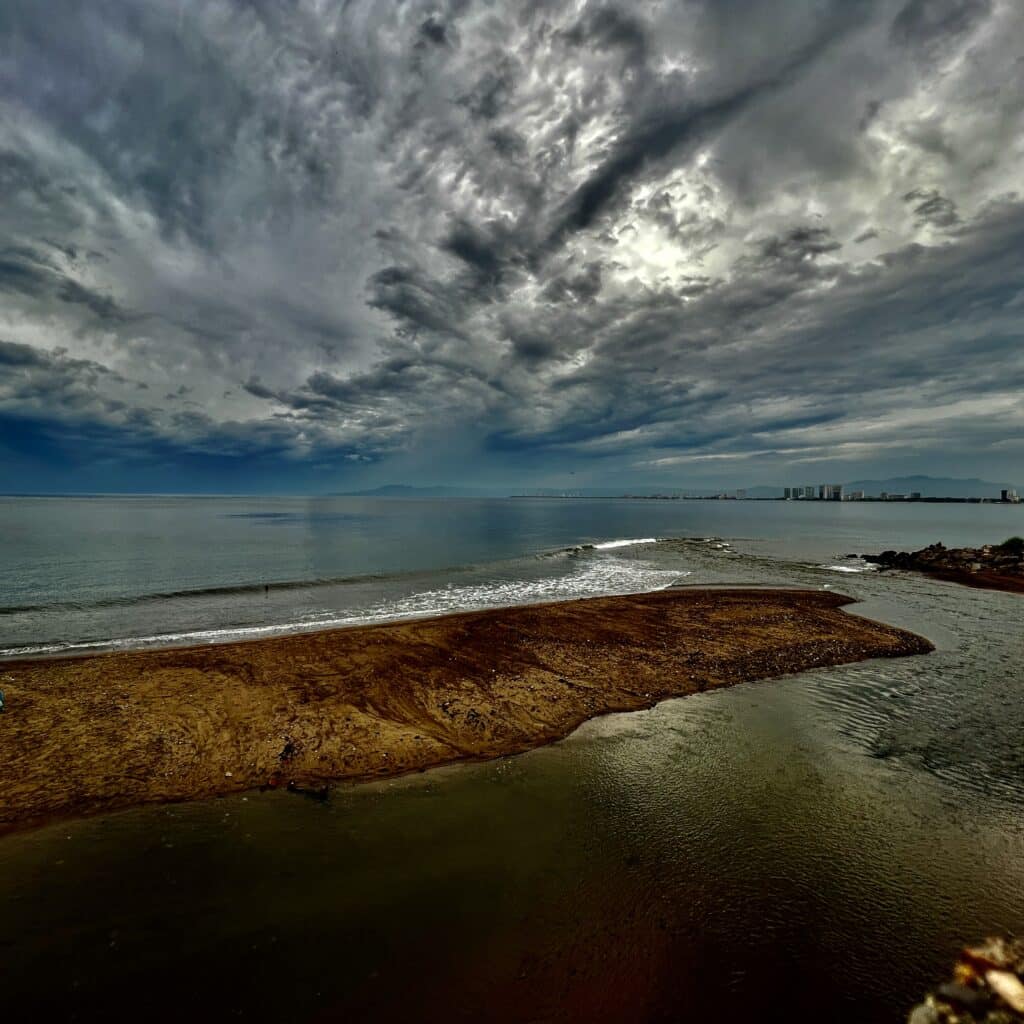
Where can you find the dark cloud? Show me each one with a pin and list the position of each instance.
(927, 23)
(675, 122)
(649, 239)
(493, 89)
(434, 31)
(20, 355)
(27, 272)
(258, 390)
(416, 299)
(582, 287)
(799, 245)
(532, 346)
(611, 28)
(930, 207)
(476, 249)
(507, 143)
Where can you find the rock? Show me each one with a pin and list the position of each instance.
(926, 1013)
(997, 563)
(318, 793)
(987, 986)
(994, 953)
(962, 995)
(1008, 987)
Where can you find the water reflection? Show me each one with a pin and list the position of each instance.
(814, 848)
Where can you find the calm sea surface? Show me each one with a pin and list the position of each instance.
(814, 848)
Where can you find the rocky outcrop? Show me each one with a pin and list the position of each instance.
(994, 566)
(987, 987)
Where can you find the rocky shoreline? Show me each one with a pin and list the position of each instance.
(992, 567)
(987, 987)
(91, 734)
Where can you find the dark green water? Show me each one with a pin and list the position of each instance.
(814, 848)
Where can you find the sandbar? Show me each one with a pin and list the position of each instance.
(94, 734)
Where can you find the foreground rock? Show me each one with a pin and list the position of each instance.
(81, 735)
(993, 567)
(987, 988)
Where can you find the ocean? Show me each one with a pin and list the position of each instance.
(817, 847)
(80, 574)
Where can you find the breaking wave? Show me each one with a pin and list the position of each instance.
(590, 579)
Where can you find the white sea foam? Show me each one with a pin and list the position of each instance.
(848, 568)
(607, 544)
(591, 579)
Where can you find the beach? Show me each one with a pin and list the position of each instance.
(103, 732)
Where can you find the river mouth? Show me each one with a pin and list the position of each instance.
(816, 847)
(791, 843)
(697, 855)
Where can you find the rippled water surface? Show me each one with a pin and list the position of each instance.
(810, 849)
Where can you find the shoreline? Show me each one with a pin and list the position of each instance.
(93, 733)
(992, 567)
(979, 580)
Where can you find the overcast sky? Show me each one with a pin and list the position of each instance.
(309, 245)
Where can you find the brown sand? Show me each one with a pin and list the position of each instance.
(83, 735)
(982, 579)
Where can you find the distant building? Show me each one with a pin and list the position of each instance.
(741, 494)
(787, 493)
(853, 496)
(1010, 495)
(830, 492)
(915, 495)
(809, 492)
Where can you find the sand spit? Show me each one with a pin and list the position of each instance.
(92, 734)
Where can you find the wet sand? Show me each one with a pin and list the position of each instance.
(981, 579)
(91, 734)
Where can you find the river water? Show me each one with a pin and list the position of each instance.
(813, 848)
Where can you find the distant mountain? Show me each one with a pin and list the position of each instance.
(408, 491)
(929, 486)
(764, 492)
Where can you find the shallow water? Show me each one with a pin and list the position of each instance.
(815, 848)
(91, 573)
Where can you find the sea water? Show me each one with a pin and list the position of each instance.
(812, 848)
(80, 574)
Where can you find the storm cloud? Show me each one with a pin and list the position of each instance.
(669, 242)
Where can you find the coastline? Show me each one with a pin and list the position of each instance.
(979, 580)
(991, 567)
(89, 734)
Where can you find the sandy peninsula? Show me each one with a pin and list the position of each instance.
(90, 734)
